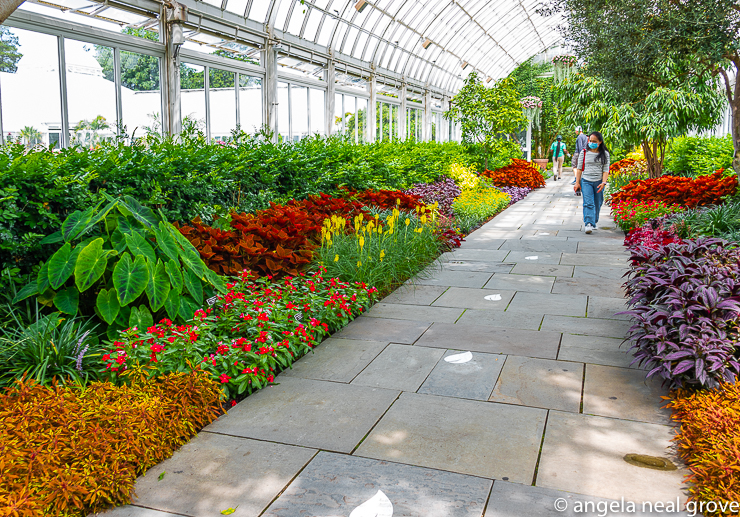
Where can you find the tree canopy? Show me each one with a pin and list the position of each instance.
(9, 53)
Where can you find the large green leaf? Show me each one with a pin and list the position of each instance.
(118, 240)
(216, 280)
(194, 286)
(130, 278)
(43, 278)
(52, 239)
(140, 318)
(172, 304)
(141, 213)
(62, 264)
(158, 287)
(67, 300)
(175, 274)
(114, 330)
(187, 307)
(167, 242)
(27, 291)
(139, 246)
(75, 223)
(123, 314)
(107, 304)
(90, 264)
(188, 253)
(101, 215)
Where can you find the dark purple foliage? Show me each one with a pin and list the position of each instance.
(685, 300)
(516, 193)
(443, 192)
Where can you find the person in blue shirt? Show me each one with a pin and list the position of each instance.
(581, 144)
(558, 155)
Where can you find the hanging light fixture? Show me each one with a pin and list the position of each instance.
(360, 6)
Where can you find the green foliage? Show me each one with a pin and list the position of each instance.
(697, 156)
(721, 221)
(487, 114)
(112, 265)
(9, 54)
(474, 207)
(52, 347)
(139, 72)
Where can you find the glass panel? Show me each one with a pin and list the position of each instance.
(237, 6)
(141, 97)
(222, 98)
(91, 93)
(30, 70)
(312, 25)
(250, 103)
(317, 111)
(394, 118)
(283, 108)
(258, 11)
(296, 19)
(193, 97)
(338, 126)
(299, 111)
(361, 120)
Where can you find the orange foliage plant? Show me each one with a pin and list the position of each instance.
(68, 451)
(519, 173)
(688, 192)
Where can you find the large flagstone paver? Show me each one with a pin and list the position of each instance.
(533, 257)
(212, 473)
(552, 246)
(516, 500)
(607, 308)
(531, 284)
(589, 286)
(467, 298)
(475, 279)
(335, 485)
(482, 242)
(624, 393)
(465, 436)
(509, 319)
(585, 454)
(135, 511)
(542, 270)
(586, 326)
(475, 255)
(544, 303)
(400, 311)
(477, 266)
(319, 414)
(460, 377)
(595, 350)
(612, 273)
(601, 246)
(492, 340)
(595, 260)
(544, 383)
(415, 294)
(335, 359)
(400, 367)
(384, 329)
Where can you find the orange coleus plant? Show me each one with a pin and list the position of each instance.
(386, 199)
(69, 451)
(709, 441)
(688, 192)
(519, 173)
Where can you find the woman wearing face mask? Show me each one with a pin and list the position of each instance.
(592, 171)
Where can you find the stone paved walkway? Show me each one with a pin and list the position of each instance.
(493, 387)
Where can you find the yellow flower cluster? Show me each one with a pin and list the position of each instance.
(465, 177)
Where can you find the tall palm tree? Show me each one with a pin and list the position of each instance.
(31, 136)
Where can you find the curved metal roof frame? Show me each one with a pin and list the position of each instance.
(436, 42)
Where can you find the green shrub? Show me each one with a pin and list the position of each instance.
(695, 155)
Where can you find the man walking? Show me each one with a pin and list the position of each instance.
(581, 143)
(558, 155)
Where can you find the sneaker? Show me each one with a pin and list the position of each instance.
(573, 182)
(589, 228)
(554, 178)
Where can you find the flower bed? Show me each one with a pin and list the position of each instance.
(684, 299)
(476, 206)
(633, 214)
(687, 192)
(516, 193)
(70, 451)
(520, 173)
(442, 192)
(257, 329)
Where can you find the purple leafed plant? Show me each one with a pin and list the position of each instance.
(685, 300)
(443, 192)
(516, 193)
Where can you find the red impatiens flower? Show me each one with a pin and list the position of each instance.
(224, 378)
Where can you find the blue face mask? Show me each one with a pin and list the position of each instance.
(592, 145)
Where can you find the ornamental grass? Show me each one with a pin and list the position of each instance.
(70, 451)
(708, 440)
(382, 251)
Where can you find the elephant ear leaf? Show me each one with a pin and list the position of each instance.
(217, 281)
(188, 307)
(27, 291)
(130, 277)
(75, 223)
(172, 304)
(107, 304)
(90, 265)
(138, 245)
(67, 300)
(175, 274)
(43, 278)
(166, 241)
(62, 264)
(140, 318)
(141, 213)
(194, 286)
(188, 253)
(158, 288)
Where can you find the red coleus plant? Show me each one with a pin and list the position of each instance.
(386, 198)
(688, 192)
(519, 173)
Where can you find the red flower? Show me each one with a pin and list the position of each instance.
(224, 378)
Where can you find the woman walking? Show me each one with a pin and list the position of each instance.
(592, 171)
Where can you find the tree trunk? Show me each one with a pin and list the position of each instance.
(735, 123)
(654, 163)
(7, 7)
